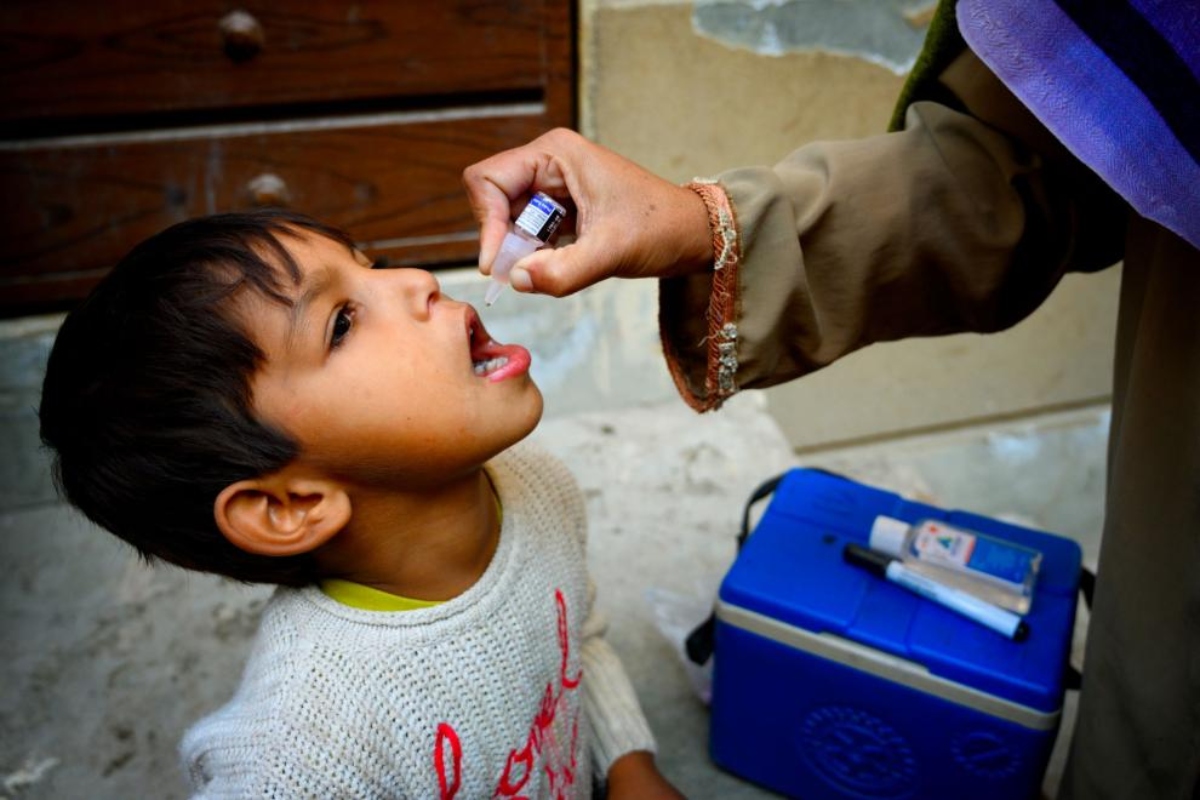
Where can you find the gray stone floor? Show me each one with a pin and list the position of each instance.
(108, 661)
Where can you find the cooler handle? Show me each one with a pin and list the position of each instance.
(700, 642)
(1073, 680)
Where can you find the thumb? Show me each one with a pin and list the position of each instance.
(561, 271)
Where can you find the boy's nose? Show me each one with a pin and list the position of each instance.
(418, 286)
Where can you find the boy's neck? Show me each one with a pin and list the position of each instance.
(428, 546)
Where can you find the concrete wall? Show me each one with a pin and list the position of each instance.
(693, 88)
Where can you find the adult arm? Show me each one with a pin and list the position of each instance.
(963, 221)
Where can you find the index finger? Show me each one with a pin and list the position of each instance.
(493, 187)
(495, 184)
(493, 210)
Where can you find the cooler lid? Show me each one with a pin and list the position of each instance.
(791, 570)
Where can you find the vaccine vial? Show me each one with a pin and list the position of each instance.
(531, 230)
(1001, 572)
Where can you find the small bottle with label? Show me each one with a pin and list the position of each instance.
(996, 570)
(531, 230)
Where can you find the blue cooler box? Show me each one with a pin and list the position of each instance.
(830, 682)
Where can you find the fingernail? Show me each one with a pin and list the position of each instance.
(520, 280)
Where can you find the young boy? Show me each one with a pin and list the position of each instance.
(244, 395)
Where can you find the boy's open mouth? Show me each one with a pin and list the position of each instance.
(486, 355)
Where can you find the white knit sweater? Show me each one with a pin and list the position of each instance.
(508, 690)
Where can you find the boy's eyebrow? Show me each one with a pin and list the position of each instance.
(315, 284)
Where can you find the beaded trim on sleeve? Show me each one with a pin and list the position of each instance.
(721, 376)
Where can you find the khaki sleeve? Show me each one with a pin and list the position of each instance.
(951, 224)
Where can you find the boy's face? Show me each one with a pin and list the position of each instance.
(376, 373)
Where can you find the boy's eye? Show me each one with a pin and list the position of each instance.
(341, 326)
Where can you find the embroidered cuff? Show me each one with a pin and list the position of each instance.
(720, 380)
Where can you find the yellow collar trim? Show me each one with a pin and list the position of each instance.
(368, 598)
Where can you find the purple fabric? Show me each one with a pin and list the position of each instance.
(1082, 97)
(1178, 21)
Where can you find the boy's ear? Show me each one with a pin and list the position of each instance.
(281, 514)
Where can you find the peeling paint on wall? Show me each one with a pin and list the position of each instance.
(884, 32)
(30, 773)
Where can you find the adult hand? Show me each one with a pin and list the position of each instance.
(628, 222)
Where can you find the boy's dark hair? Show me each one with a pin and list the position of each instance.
(147, 401)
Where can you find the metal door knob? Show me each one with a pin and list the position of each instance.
(242, 36)
(268, 189)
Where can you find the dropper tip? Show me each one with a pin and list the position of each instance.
(493, 292)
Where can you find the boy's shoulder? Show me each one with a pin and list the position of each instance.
(303, 633)
(319, 669)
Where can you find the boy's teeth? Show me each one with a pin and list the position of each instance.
(491, 365)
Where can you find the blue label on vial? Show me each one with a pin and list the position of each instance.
(541, 217)
(996, 558)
